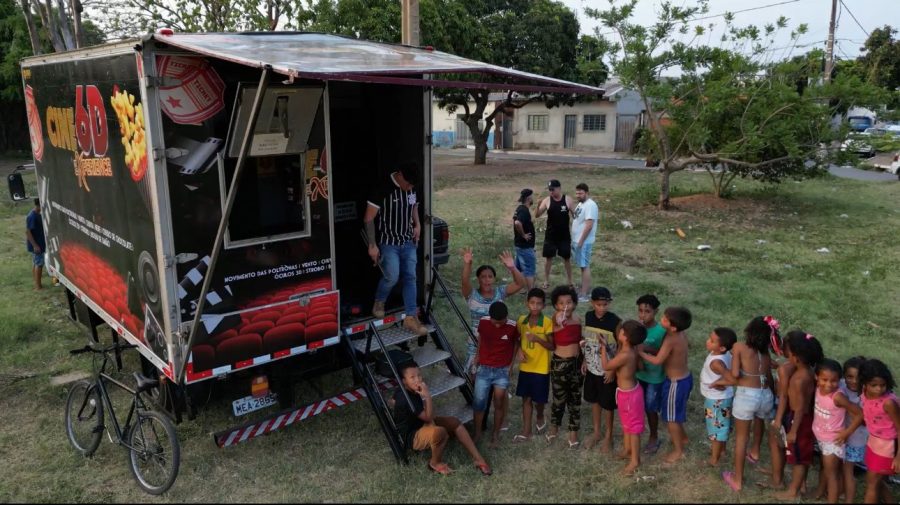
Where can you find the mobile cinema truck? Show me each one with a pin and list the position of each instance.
(203, 194)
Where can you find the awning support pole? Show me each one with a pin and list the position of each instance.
(226, 215)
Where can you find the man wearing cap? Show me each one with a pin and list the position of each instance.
(584, 229)
(523, 231)
(395, 209)
(557, 239)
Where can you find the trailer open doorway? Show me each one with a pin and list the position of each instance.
(371, 129)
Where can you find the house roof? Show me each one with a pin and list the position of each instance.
(330, 57)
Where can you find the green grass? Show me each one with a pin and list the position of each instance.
(342, 455)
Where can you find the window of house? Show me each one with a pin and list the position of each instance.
(538, 122)
(594, 123)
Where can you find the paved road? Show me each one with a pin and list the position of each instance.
(610, 160)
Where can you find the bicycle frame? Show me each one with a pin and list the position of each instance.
(100, 383)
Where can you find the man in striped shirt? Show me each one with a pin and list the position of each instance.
(394, 208)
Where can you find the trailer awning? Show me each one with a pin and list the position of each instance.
(332, 57)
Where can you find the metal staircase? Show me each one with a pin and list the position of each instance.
(440, 367)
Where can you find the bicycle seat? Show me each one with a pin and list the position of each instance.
(143, 383)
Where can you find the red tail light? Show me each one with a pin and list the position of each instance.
(445, 234)
(897, 157)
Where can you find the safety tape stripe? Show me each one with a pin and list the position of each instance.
(283, 420)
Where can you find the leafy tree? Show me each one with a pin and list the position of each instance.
(881, 63)
(538, 36)
(730, 111)
(126, 18)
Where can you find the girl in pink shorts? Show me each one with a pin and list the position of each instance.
(882, 416)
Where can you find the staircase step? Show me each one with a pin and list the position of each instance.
(442, 382)
(428, 355)
(458, 409)
(391, 336)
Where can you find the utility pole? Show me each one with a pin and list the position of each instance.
(829, 48)
(409, 22)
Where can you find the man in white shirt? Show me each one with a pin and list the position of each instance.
(584, 229)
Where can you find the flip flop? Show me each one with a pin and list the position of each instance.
(518, 439)
(651, 448)
(573, 445)
(540, 427)
(442, 468)
(484, 469)
(728, 477)
(550, 438)
(545, 286)
(751, 459)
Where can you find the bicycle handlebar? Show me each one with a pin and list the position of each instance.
(102, 350)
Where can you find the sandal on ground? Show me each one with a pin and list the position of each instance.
(518, 439)
(751, 459)
(728, 477)
(484, 468)
(550, 437)
(540, 427)
(573, 445)
(651, 448)
(545, 286)
(441, 468)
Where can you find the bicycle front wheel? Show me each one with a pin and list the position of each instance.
(155, 455)
(84, 417)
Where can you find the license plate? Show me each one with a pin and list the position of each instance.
(249, 404)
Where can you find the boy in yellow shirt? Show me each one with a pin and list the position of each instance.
(534, 357)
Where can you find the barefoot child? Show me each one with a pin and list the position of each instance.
(856, 443)
(565, 377)
(775, 433)
(498, 340)
(629, 395)
(718, 396)
(806, 354)
(651, 376)
(599, 390)
(882, 415)
(534, 370)
(829, 413)
(751, 372)
(673, 355)
(422, 429)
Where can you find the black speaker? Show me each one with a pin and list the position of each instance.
(16, 187)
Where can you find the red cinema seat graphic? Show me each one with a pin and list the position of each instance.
(239, 348)
(294, 308)
(258, 328)
(283, 337)
(221, 337)
(321, 318)
(268, 315)
(204, 357)
(297, 317)
(321, 331)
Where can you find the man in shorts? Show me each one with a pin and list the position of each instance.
(34, 241)
(523, 230)
(558, 237)
(584, 229)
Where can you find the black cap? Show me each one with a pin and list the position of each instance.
(498, 311)
(601, 293)
(524, 194)
(553, 184)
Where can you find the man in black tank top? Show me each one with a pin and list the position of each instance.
(558, 238)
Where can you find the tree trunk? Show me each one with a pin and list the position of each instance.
(49, 21)
(64, 27)
(32, 29)
(76, 22)
(481, 150)
(664, 174)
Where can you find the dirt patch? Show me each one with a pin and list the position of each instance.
(705, 201)
(450, 166)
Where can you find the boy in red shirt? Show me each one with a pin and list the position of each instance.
(498, 339)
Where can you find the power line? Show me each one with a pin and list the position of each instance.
(854, 18)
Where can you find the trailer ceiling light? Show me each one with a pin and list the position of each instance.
(166, 31)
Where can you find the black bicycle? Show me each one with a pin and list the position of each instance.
(153, 450)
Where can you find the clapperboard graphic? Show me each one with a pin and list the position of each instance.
(219, 300)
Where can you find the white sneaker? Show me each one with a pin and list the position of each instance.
(584, 298)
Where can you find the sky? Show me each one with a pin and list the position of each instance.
(849, 34)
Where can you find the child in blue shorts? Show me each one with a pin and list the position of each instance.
(498, 340)
(536, 335)
(718, 397)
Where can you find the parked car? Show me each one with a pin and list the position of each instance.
(441, 240)
(894, 167)
(860, 144)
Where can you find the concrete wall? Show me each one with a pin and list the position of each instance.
(629, 102)
(552, 138)
(443, 125)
